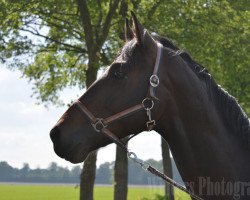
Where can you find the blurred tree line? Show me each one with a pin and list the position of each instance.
(57, 174)
(53, 174)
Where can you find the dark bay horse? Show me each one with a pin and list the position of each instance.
(207, 131)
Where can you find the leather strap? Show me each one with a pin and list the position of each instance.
(123, 113)
(83, 108)
(114, 138)
(158, 58)
(154, 79)
(112, 118)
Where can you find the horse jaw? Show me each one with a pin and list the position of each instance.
(78, 154)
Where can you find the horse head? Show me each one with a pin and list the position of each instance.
(124, 84)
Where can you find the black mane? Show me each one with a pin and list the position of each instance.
(228, 107)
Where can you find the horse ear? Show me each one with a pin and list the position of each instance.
(128, 31)
(143, 37)
(138, 29)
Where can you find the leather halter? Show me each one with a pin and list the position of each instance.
(100, 124)
(147, 104)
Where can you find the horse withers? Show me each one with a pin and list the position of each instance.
(207, 131)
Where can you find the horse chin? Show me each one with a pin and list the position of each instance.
(77, 156)
(77, 159)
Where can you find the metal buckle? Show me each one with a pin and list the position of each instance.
(132, 156)
(98, 125)
(148, 104)
(154, 80)
(150, 124)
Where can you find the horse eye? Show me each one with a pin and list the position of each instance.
(120, 71)
(119, 74)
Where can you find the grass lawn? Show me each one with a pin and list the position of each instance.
(68, 192)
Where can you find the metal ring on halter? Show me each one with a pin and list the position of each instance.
(154, 80)
(148, 100)
(99, 125)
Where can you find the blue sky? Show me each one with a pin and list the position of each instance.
(25, 126)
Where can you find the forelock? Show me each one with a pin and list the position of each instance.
(126, 51)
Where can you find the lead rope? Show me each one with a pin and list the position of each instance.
(144, 165)
(147, 167)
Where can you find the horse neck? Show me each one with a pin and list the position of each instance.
(194, 130)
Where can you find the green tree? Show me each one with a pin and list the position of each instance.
(6, 171)
(57, 44)
(75, 172)
(104, 174)
(25, 171)
(215, 33)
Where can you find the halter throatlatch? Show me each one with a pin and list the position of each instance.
(147, 104)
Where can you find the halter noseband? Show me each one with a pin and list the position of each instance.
(147, 104)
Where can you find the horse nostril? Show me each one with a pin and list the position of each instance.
(55, 134)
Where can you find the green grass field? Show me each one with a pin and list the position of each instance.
(60, 192)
